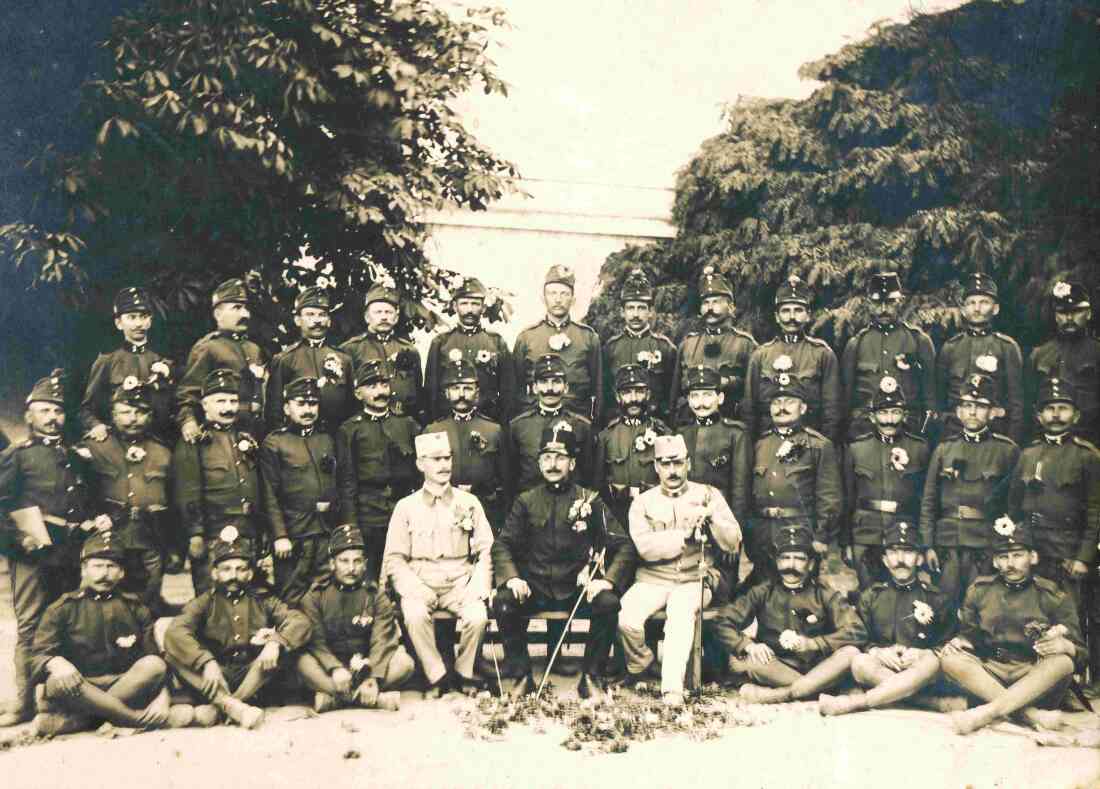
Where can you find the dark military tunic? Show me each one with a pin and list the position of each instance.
(541, 545)
(995, 618)
(813, 363)
(298, 482)
(583, 365)
(230, 351)
(802, 487)
(334, 373)
(989, 353)
(108, 373)
(883, 484)
(624, 461)
(102, 634)
(524, 443)
(408, 396)
(966, 490)
(217, 626)
(814, 611)
(651, 350)
(918, 615)
(217, 483)
(1056, 486)
(720, 451)
(496, 385)
(351, 620)
(1077, 361)
(479, 462)
(376, 467)
(133, 492)
(725, 348)
(902, 351)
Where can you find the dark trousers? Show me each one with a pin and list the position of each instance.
(144, 574)
(602, 614)
(307, 563)
(958, 569)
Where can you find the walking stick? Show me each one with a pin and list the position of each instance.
(696, 678)
(493, 649)
(597, 566)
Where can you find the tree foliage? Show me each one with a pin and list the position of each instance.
(233, 132)
(957, 142)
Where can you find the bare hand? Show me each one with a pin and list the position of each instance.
(760, 653)
(269, 656)
(821, 548)
(190, 431)
(1076, 569)
(341, 678)
(957, 646)
(102, 523)
(1055, 646)
(98, 433)
(518, 587)
(29, 543)
(596, 587)
(848, 555)
(67, 677)
(932, 560)
(213, 680)
(156, 714)
(283, 547)
(889, 657)
(196, 547)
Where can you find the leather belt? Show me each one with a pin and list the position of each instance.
(879, 505)
(966, 513)
(780, 512)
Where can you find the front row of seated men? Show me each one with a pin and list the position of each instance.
(1015, 645)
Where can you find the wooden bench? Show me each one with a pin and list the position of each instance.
(573, 637)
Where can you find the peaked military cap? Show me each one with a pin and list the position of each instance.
(888, 394)
(558, 438)
(712, 283)
(793, 538)
(549, 365)
(470, 288)
(370, 370)
(979, 284)
(1056, 390)
(315, 297)
(1010, 536)
(133, 392)
(794, 291)
(221, 380)
(562, 275)
(1068, 296)
(50, 389)
(231, 545)
(636, 287)
(232, 290)
(630, 376)
(901, 533)
(883, 285)
(101, 545)
(979, 388)
(303, 388)
(132, 300)
(457, 370)
(787, 385)
(345, 538)
(702, 377)
(383, 289)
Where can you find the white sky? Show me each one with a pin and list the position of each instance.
(624, 91)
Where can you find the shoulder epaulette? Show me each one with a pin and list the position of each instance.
(130, 596)
(879, 586)
(731, 422)
(816, 341)
(282, 429)
(25, 444)
(321, 584)
(292, 347)
(692, 334)
(207, 337)
(486, 418)
(1081, 442)
(350, 340)
(614, 337)
(743, 333)
(1004, 336)
(525, 413)
(766, 433)
(534, 325)
(1003, 437)
(660, 336)
(772, 341)
(1047, 585)
(613, 422)
(68, 597)
(915, 437)
(814, 433)
(954, 338)
(984, 580)
(863, 436)
(861, 332)
(917, 329)
(584, 326)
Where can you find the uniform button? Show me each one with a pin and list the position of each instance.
(236, 619)
(129, 476)
(236, 636)
(69, 489)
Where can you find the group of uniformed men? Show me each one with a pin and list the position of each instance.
(510, 483)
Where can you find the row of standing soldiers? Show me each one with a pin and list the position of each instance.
(340, 423)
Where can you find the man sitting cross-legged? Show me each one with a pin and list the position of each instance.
(95, 656)
(229, 641)
(355, 649)
(906, 619)
(1019, 638)
(807, 633)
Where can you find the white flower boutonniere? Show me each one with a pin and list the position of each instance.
(559, 341)
(811, 619)
(126, 641)
(888, 384)
(130, 382)
(455, 355)
(783, 363)
(464, 518)
(362, 620)
(358, 663)
(899, 458)
(246, 445)
(1062, 290)
(785, 449)
(333, 367)
(484, 356)
(987, 363)
(789, 639)
(922, 612)
(135, 454)
(162, 369)
(1004, 526)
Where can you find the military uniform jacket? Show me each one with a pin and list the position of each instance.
(583, 365)
(813, 363)
(217, 483)
(651, 350)
(479, 460)
(496, 385)
(130, 483)
(814, 611)
(883, 483)
(408, 397)
(720, 451)
(100, 634)
(334, 373)
(804, 484)
(902, 351)
(298, 482)
(1076, 361)
(542, 544)
(34, 474)
(108, 372)
(1057, 487)
(917, 615)
(351, 620)
(376, 466)
(989, 353)
(215, 626)
(230, 351)
(523, 440)
(1000, 620)
(966, 490)
(624, 457)
(725, 348)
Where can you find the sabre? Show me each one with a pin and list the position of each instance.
(596, 566)
(493, 649)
